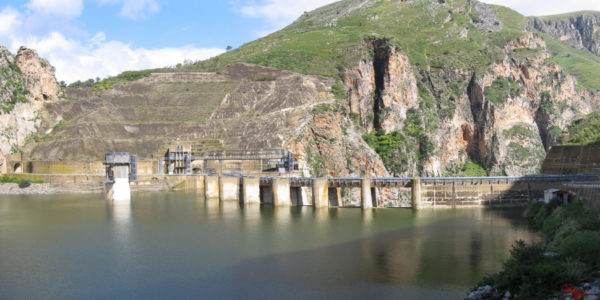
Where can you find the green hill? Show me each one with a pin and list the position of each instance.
(434, 87)
(322, 41)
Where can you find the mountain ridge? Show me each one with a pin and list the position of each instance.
(430, 86)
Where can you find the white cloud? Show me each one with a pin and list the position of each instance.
(47, 26)
(9, 21)
(135, 9)
(79, 59)
(59, 8)
(280, 12)
(547, 7)
(74, 60)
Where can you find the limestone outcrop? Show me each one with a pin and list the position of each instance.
(504, 119)
(578, 30)
(27, 82)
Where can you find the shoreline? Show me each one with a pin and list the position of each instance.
(49, 189)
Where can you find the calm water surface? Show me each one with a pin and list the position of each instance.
(172, 245)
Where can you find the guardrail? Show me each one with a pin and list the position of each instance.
(406, 181)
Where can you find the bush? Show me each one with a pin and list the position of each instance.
(582, 246)
(571, 232)
(471, 169)
(398, 149)
(24, 183)
(501, 89)
(8, 179)
(529, 273)
(338, 91)
(265, 78)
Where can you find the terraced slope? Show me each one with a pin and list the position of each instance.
(233, 109)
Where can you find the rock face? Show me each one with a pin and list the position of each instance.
(580, 31)
(26, 83)
(245, 106)
(38, 74)
(381, 91)
(469, 83)
(504, 119)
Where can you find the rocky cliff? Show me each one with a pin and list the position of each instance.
(26, 83)
(503, 118)
(357, 88)
(242, 107)
(580, 30)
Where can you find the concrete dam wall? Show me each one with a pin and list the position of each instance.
(572, 160)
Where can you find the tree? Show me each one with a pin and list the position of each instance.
(228, 48)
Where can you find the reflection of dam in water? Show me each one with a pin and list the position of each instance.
(183, 245)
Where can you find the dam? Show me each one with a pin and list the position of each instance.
(427, 192)
(272, 177)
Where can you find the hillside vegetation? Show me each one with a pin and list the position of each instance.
(338, 35)
(584, 131)
(450, 87)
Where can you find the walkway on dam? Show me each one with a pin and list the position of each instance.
(373, 192)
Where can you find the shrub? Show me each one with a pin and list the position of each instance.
(529, 273)
(399, 149)
(24, 183)
(265, 78)
(571, 233)
(501, 89)
(338, 91)
(583, 246)
(8, 179)
(471, 169)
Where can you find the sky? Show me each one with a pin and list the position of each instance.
(98, 38)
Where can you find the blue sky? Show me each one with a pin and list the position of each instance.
(98, 38)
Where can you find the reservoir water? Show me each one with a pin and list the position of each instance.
(178, 245)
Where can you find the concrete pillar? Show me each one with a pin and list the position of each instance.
(416, 193)
(211, 187)
(366, 201)
(453, 194)
(199, 184)
(281, 191)
(251, 189)
(320, 192)
(229, 188)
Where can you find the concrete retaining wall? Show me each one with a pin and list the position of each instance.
(461, 193)
(278, 191)
(588, 194)
(73, 167)
(572, 160)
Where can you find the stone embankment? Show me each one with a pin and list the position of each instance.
(49, 188)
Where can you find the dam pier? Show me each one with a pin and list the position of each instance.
(273, 177)
(424, 192)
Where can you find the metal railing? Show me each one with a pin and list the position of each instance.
(405, 181)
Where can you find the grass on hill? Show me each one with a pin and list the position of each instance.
(580, 63)
(571, 14)
(585, 131)
(420, 29)
(123, 77)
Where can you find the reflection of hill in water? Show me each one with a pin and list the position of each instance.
(441, 259)
(177, 245)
